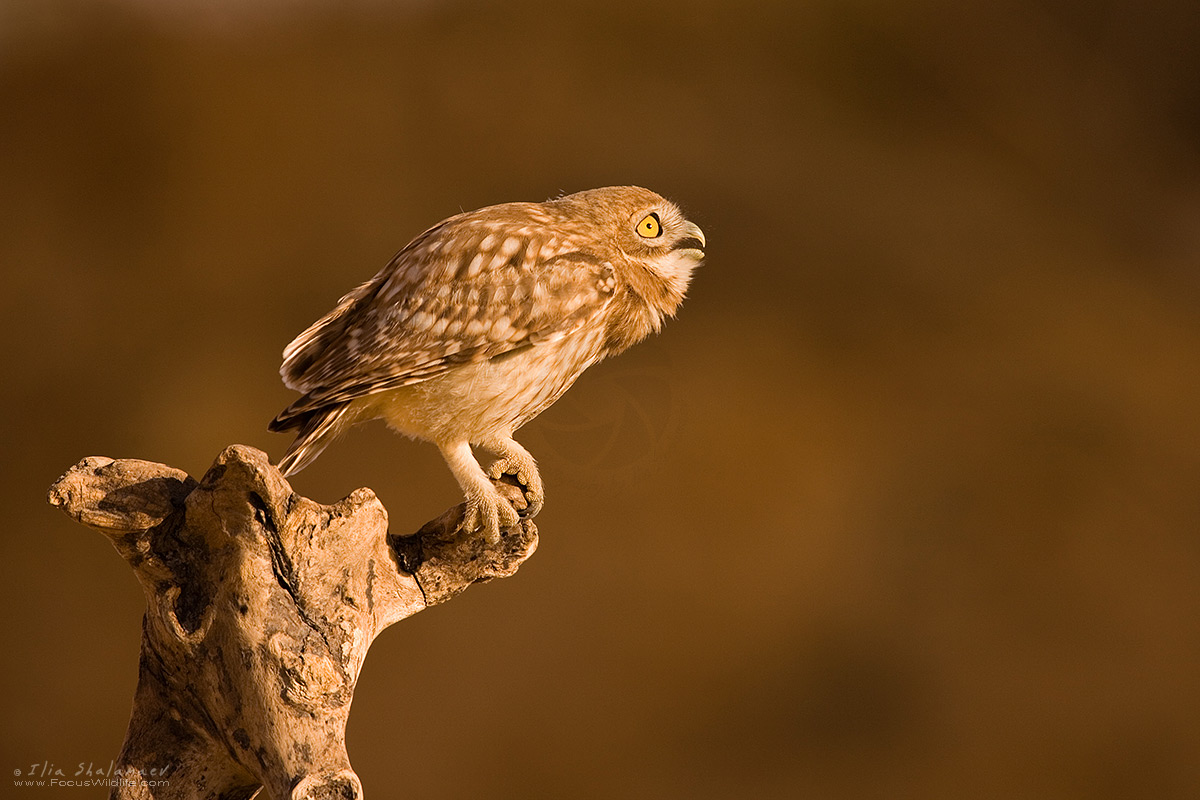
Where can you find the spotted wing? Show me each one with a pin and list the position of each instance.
(449, 298)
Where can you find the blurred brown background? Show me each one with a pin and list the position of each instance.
(906, 503)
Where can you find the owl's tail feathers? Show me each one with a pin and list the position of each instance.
(318, 428)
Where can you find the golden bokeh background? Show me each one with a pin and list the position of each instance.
(906, 502)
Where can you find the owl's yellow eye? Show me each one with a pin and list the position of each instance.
(650, 227)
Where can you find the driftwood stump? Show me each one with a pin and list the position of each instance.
(261, 606)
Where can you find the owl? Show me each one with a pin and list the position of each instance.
(483, 321)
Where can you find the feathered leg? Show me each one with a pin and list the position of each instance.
(487, 509)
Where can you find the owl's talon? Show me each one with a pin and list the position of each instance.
(490, 515)
(534, 507)
(501, 467)
(528, 478)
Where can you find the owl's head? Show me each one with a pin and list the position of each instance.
(647, 230)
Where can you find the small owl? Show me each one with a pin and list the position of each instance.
(483, 321)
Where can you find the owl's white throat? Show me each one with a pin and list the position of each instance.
(676, 266)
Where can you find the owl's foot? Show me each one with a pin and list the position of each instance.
(490, 513)
(526, 473)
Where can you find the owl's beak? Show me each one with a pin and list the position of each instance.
(693, 239)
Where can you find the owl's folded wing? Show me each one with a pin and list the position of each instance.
(427, 313)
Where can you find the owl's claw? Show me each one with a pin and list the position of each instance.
(490, 514)
(530, 480)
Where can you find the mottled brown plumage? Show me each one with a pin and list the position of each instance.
(483, 321)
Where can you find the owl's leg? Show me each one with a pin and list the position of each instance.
(516, 460)
(487, 509)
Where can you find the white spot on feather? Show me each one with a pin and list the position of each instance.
(475, 266)
(498, 261)
(422, 320)
(511, 245)
(501, 328)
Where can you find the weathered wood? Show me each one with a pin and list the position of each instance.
(261, 606)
